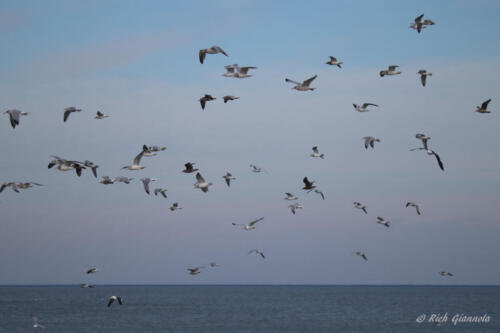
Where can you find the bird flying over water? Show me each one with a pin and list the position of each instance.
(14, 116)
(36, 323)
(114, 298)
(304, 86)
(93, 270)
(484, 107)
(417, 207)
(68, 111)
(211, 50)
(445, 273)
(249, 226)
(85, 285)
(194, 271)
(334, 62)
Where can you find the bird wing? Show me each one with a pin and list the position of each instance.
(484, 106)
(307, 82)
(200, 178)
(137, 159)
(119, 300)
(379, 218)
(423, 79)
(111, 300)
(244, 70)
(393, 67)
(418, 209)
(315, 150)
(333, 58)
(255, 221)
(288, 80)
(441, 166)
(14, 117)
(66, 114)
(364, 256)
(146, 182)
(201, 55)
(228, 181)
(321, 193)
(367, 141)
(419, 18)
(202, 103)
(306, 181)
(368, 104)
(220, 50)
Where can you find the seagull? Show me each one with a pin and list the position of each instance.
(228, 177)
(423, 76)
(93, 270)
(125, 180)
(68, 111)
(320, 193)
(290, 196)
(370, 141)
(14, 116)
(213, 264)
(201, 183)
(316, 153)
(361, 254)
(100, 115)
(294, 207)
(106, 180)
(66, 165)
(211, 50)
(411, 204)
(146, 181)
(432, 152)
(391, 70)
(384, 222)
(85, 285)
(334, 61)
(304, 86)
(250, 225)
(175, 206)
(419, 24)
(308, 185)
(229, 98)
(483, 108)
(189, 168)
(36, 323)
(91, 165)
(358, 205)
(9, 184)
(136, 163)
(255, 169)
(445, 274)
(363, 107)
(162, 191)
(205, 99)
(114, 298)
(194, 271)
(258, 252)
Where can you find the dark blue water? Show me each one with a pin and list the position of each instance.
(247, 308)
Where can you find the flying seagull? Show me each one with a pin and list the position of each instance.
(213, 264)
(391, 70)
(320, 193)
(231, 70)
(418, 24)
(114, 298)
(175, 206)
(249, 226)
(382, 221)
(201, 183)
(423, 76)
(162, 191)
(93, 270)
(68, 111)
(194, 271)
(66, 165)
(205, 99)
(294, 207)
(370, 141)
(228, 177)
(290, 196)
(255, 168)
(258, 252)
(229, 98)
(189, 168)
(146, 181)
(358, 205)
(136, 163)
(411, 204)
(125, 180)
(445, 273)
(36, 323)
(91, 165)
(361, 254)
(316, 153)
(308, 185)
(483, 108)
(105, 180)
(211, 50)
(304, 86)
(334, 62)
(14, 116)
(363, 107)
(100, 115)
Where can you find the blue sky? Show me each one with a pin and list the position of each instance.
(139, 64)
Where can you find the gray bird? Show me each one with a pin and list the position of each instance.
(91, 165)
(304, 86)
(125, 180)
(417, 207)
(383, 222)
(189, 168)
(14, 116)
(228, 177)
(294, 207)
(363, 107)
(105, 180)
(258, 252)
(423, 76)
(68, 111)
(362, 255)
(162, 191)
(445, 273)
(100, 115)
(229, 98)
(211, 50)
(370, 141)
(334, 62)
(175, 206)
(391, 70)
(146, 181)
(358, 205)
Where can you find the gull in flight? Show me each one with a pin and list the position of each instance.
(411, 204)
(363, 107)
(21, 185)
(114, 298)
(423, 76)
(93, 270)
(194, 271)
(445, 273)
(175, 206)
(229, 98)
(205, 99)
(228, 177)
(255, 168)
(382, 221)
(125, 180)
(213, 264)
(100, 115)
(361, 254)
(290, 196)
(483, 108)
(66, 165)
(432, 152)
(201, 183)
(294, 207)
(391, 70)
(237, 71)
(211, 50)
(162, 191)
(258, 252)
(189, 168)
(320, 193)
(106, 180)
(316, 153)
(304, 86)
(358, 205)
(308, 185)
(230, 70)
(68, 111)
(146, 181)
(370, 141)
(14, 116)
(334, 62)
(36, 323)
(85, 285)
(249, 226)
(419, 24)
(136, 163)
(91, 165)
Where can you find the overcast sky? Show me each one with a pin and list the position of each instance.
(138, 62)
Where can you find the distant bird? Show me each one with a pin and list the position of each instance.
(162, 191)
(194, 271)
(370, 141)
(136, 163)
(146, 181)
(85, 285)
(423, 76)
(432, 152)
(294, 207)
(304, 86)
(445, 274)
(205, 99)
(249, 226)
(100, 115)
(483, 108)
(213, 264)
(125, 180)
(255, 168)
(36, 323)
(14, 116)
(308, 185)
(25, 185)
(383, 222)
(320, 193)
(229, 98)
(210, 50)
(9, 184)
(418, 24)
(105, 180)
(91, 165)
(417, 207)
(68, 111)
(361, 254)
(258, 252)
(334, 62)
(93, 270)
(66, 165)
(391, 70)
(290, 196)
(363, 107)
(316, 153)
(175, 206)
(228, 177)
(189, 168)
(358, 205)
(201, 183)
(114, 298)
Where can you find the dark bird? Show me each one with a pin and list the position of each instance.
(205, 99)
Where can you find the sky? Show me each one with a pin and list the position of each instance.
(138, 63)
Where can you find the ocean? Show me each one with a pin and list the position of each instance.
(172, 308)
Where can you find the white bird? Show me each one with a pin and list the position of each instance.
(93, 270)
(255, 168)
(91, 165)
(304, 86)
(370, 141)
(294, 207)
(189, 168)
(417, 207)
(201, 183)
(175, 206)
(136, 163)
(205, 99)
(316, 153)
(391, 70)
(146, 181)
(100, 115)
(445, 273)
(383, 222)
(423, 76)
(258, 252)
(162, 191)
(125, 180)
(229, 98)
(308, 185)
(334, 62)
(14, 116)
(418, 24)
(363, 107)
(228, 177)
(361, 254)
(114, 298)
(210, 50)
(290, 196)
(68, 111)
(105, 180)
(36, 323)
(358, 205)
(484, 107)
(249, 226)
(194, 271)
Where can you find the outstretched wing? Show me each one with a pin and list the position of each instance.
(200, 178)
(137, 159)
(419, 18)
(484, 106)
(393, 67)
(288, 80)
(423, 79)
(368, 104)
(66, 114)
(255, 221)
(201, 55)
(441, 166)
(244, 70)
(220, 50)
(307, 82)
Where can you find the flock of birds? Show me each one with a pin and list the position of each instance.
(232, 71)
